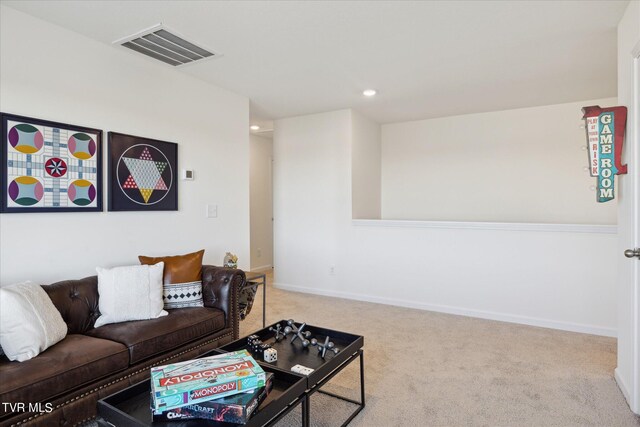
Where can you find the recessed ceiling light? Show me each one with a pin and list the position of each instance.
(254, 127)
(369, 92)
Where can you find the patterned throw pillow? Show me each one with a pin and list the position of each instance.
(182, 279)
(245, 299)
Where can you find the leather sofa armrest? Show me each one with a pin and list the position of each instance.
(220, 289)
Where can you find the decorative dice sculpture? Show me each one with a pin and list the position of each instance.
(261, 349)
(251, 339)
(270, 355)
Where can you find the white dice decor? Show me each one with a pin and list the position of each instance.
(301, 369)
(270, 355)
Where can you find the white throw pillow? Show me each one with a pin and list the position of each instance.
(130, 293)
(29, 322)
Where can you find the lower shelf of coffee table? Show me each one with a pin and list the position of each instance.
(131, 407)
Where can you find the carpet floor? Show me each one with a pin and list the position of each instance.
(431, 369)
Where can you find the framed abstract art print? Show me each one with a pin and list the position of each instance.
(143, 174)
(49, 166)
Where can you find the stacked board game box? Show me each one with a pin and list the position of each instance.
(237, 408)
(204, 379)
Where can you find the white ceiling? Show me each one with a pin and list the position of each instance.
(426, 59)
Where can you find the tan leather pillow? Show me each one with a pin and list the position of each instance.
(182, 279)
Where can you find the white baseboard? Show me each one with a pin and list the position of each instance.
(624, 388)
(262, 268)
(503, 317)
(622, 385)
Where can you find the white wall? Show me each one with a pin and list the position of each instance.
(523, 165)
(366, 165)
(261, 153)
(51, 73)
(555, 275)
(559, 278)
(312, 196)
(628, 369)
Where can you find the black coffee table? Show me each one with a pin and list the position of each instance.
(131, 407)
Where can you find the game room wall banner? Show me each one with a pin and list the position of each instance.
(605, 138)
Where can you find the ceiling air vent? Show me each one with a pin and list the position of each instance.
(163, 44)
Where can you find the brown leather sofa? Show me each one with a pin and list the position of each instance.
(62, 385)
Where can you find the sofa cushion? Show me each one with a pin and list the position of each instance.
(147, 338)
(182, 279)
(130, 293)
(71, 363)
(77, 302)
(29, 322)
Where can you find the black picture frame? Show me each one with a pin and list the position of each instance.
(44, 163)
(143, 174)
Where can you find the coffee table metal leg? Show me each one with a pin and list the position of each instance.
(362, 377)
(360, 404)
(264, 301)
(306, 419)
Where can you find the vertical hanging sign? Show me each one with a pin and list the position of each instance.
(605, 139)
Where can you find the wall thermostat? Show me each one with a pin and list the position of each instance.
(187, 175)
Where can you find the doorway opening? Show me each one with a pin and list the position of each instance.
(261, 197)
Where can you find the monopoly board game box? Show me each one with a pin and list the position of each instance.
(207, 378)
(231, 409)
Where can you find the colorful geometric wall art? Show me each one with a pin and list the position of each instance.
(142, 174)
(49, 166)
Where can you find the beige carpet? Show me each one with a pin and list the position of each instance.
(430, 369)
